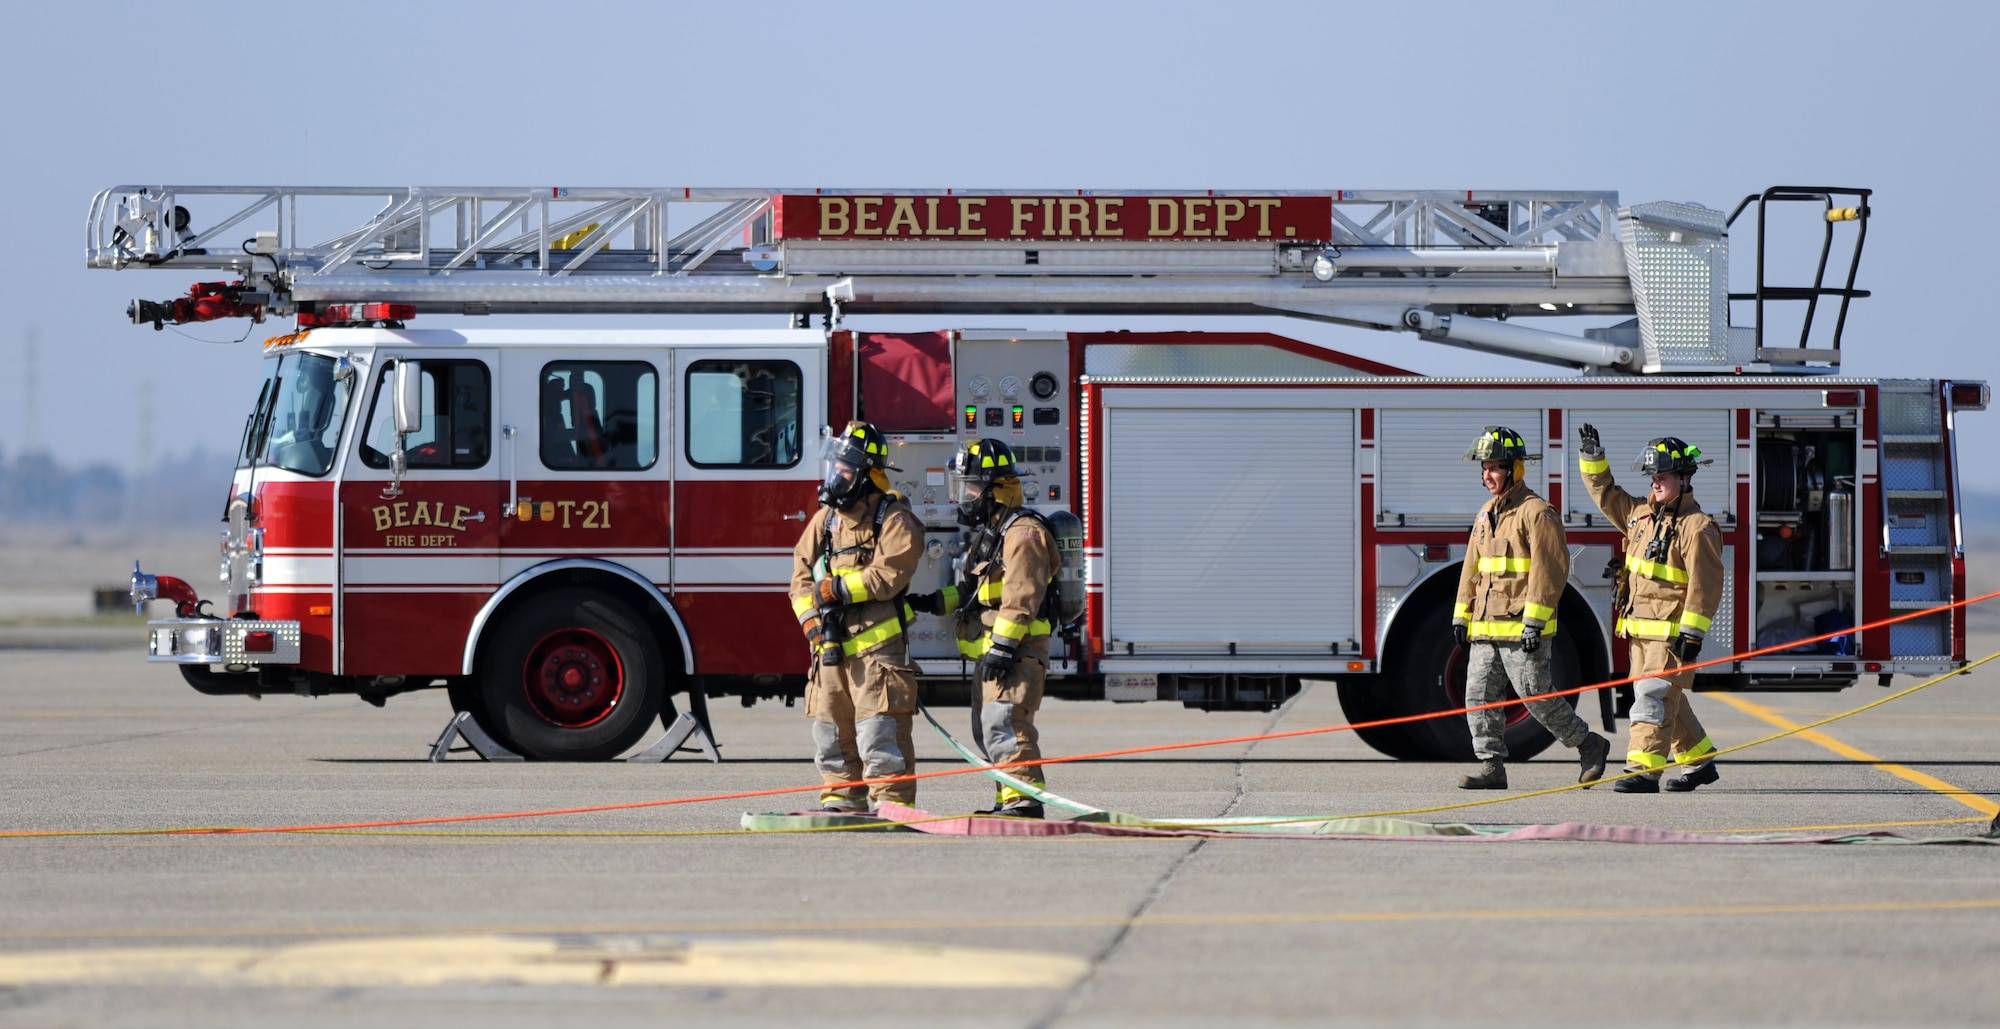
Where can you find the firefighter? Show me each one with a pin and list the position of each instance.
(850, 570)
(1000, 606)
(1668, 592)
(1516, 565)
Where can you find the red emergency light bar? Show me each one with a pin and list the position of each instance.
(331, 315)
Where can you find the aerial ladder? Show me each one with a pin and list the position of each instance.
(1453, 267)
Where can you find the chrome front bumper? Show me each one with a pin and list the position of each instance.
(235, 643)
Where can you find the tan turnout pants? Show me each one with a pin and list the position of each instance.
(1007, 707)
(861, 711)
(1664, 725)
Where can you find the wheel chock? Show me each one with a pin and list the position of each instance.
(462, 725)
(674, 742)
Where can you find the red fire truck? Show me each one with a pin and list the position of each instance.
(568, 528)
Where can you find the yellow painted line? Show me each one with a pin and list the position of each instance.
(853, 925)
(457, 960)
(1929, 782)
(1841, 825)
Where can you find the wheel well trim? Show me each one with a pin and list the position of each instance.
(530, 574)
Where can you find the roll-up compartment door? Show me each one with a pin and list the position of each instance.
(1228, 522)
(1425, 476)
(1626, 432)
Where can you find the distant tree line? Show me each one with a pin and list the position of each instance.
(35, 488)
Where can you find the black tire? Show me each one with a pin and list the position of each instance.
(1372, 699)
(571, 675)
(1431, 677)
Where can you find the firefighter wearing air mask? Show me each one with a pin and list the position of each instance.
(850, 570)
(1671, 587)
(1516, 566)
(1000, 607)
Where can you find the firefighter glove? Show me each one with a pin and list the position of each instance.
(926, 603)
(997, 662)
(1531, 638)
(1592, 445)
(812, 629)
(1685, 648)
(1461, 634)
(832, 592)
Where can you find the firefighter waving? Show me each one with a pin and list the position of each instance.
(1001, 606)
(1516, 566)
(850, 570)
(1671, 586)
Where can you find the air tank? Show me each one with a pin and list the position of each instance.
(1840, 526)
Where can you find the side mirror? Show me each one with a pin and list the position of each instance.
(409, 391)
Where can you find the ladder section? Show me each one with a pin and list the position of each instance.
(1918, 535)
(1451, 266)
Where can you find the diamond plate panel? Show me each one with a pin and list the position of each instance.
(1920, 638)
(1909, 407)
(1677, 256)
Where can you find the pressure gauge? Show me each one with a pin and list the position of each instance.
(1010, 387)
(930, 494)
(907, 489)
(981, 386)
(1033, 490)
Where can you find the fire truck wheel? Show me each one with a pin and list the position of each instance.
(1432, 678)
(572, 675)
(1366, 701)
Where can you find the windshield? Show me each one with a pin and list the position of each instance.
(297, 421)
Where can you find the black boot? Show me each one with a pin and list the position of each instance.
(1637, 784)
(1492, 775)
(1591, 755)
(1022, 808)
(1700, 775)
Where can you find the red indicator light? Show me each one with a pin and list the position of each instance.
(1437, 552)
(1842, 397)
(1873, 666)
(259, 643)
(1969, 396)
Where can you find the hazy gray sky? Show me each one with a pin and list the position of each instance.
(1684, 101)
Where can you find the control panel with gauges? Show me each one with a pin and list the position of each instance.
(1009, 386)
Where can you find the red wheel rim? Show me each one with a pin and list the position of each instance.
(573, 678)
(1454, 687)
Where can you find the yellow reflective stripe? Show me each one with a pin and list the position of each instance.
(1009, 794)
(857, 588)
(880, 632)
(989, 592)
(1695, 621)
(1641, 759)
(803, 605)
(1706, 746)
(1504, 564)
(1648, 628)
(1461, 612)
(1656, 570)
(1507, 630)
(1538, 612)
(1008, 629)
(974, 648)
(1594, 465)
(950, 594)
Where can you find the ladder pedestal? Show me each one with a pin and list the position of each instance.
(462, 725)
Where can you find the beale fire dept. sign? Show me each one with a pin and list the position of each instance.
(1054, 218)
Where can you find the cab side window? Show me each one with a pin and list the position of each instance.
(600, 415)
(458, 417)
(744, 414)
